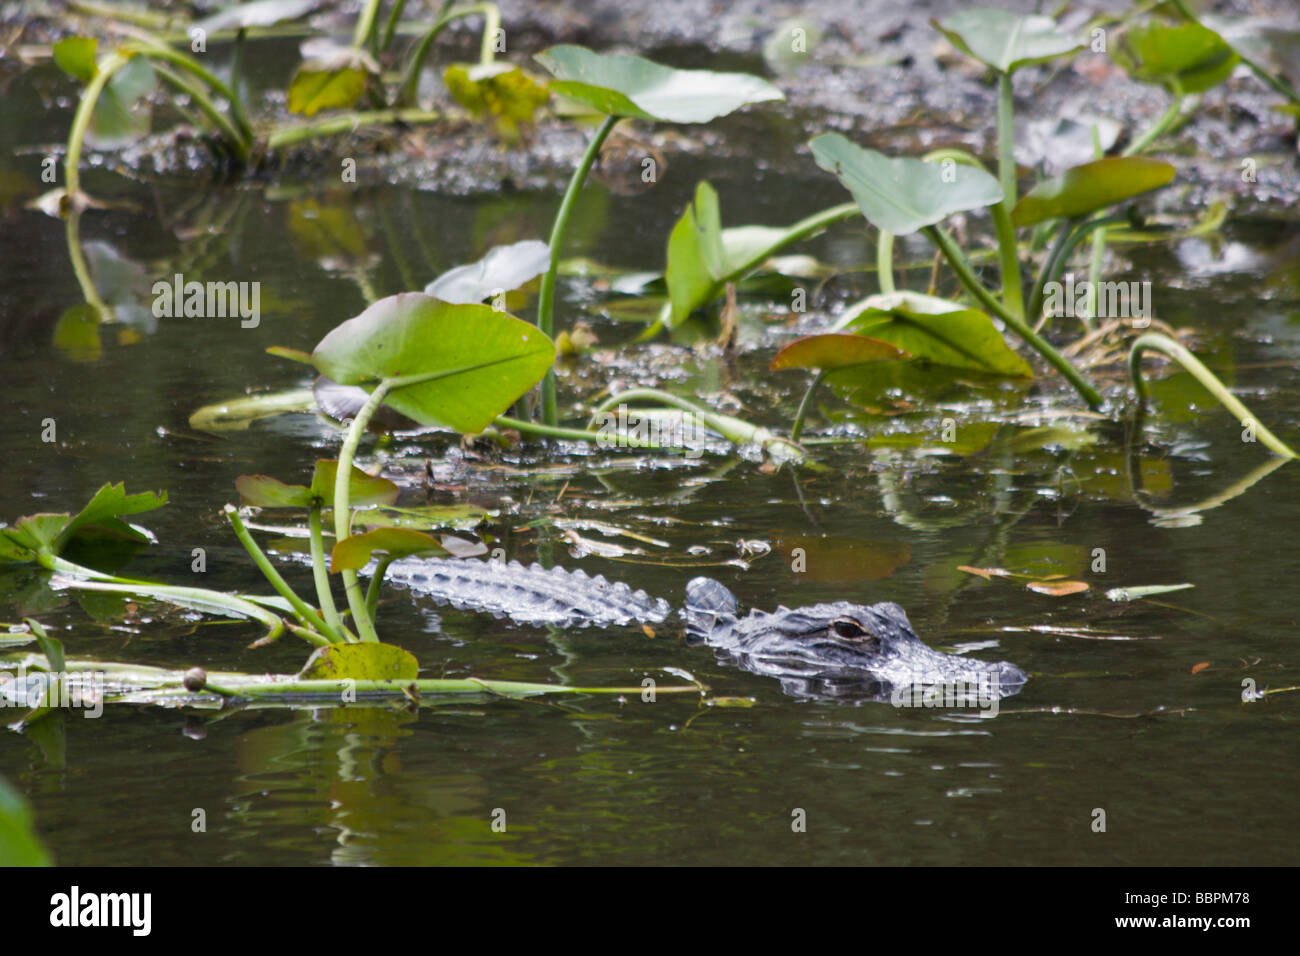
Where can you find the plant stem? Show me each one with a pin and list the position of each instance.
(343, 511)
(1072, 233)
(81, 120)
(320, 571)
(546, 297)
(159, 51)
(1157, 129)
(571, 434)
(205, 105)
(797, 428)
(80, 268)
(973, 285)
(491, 23)
(365, 24)
(336, 125)
(377, 579)
(304, 612)
(1012, 291)
(884, 268)
(1167, 346)
(393, 16)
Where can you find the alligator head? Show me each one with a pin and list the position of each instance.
(843, 650)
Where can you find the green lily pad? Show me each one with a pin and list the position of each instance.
(101, 516)
(332, 77)
(619, 85)
(1188, 57)
(478, 360)
(503, 269)
(1092, 186)
(903, 195)
(960, 338)
(1005, 41)
(834, 350)
(75, 56)
(368, 661)
(354, 551)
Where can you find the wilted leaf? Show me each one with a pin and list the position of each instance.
(365, 661)
(834, 350)
(1057, 588)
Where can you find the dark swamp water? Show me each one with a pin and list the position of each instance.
(1120, 712)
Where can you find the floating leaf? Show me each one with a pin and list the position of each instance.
(618, 85)
(1004, 41)
(75, 56)
(987, 574)
(1057, 588)
(1200, 666)
(1092, 186)
(1189, 57)
(263, 491)
(962, 338)
(834, 350)
(368, 661)
(239, 413)
(503, 269)
(903, 195)
(354, 551)
(480, 360)
(331, 77)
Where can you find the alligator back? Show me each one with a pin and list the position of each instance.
(528, 595)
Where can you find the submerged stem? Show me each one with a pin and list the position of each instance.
(797, 428)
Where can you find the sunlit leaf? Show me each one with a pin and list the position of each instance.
(1144, 591)
(503, 268)
(75, 56)
(499, 90)
(619, 85)
(482, 360)
(354, 551)
(1005, 41)
(1057, 588)
(1092, 186)
(903, 195)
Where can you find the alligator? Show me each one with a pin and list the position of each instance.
(837, 650)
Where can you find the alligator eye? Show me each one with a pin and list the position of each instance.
(848, 628)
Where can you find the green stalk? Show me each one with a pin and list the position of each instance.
(365, 24)
(1012, 288)
(801, 230)
(492, 23)
(884, 269)
(1158, 128)
(570, 434)
(343, 511)
(304, 612)
(158, 51)
(372, 590)
(393, 16)
(81, 120)
(349, 123)
(431, 686)
(81, 269)
(546, 297)
(797, 428)
(320, 572)
(1167, 346)
(1072, 233)
(973, 285)
(205, 105)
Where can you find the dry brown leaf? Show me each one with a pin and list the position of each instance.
(1057, 588)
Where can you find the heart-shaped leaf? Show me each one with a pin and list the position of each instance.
(503, 269)
(477, 360)
(364, 491)
(618, 85)
(1004, 41)
(368, 661)
(1189, 57)
(903, 195)
(263, 491)
(961, 338)
(834, 350)
(354, 551)
(1092, 186)
(122, 115)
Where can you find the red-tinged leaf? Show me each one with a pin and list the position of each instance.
(834, 350)
(1057, 588)
(1197, 668)
(353, 552)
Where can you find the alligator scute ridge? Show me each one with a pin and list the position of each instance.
(836, 650)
